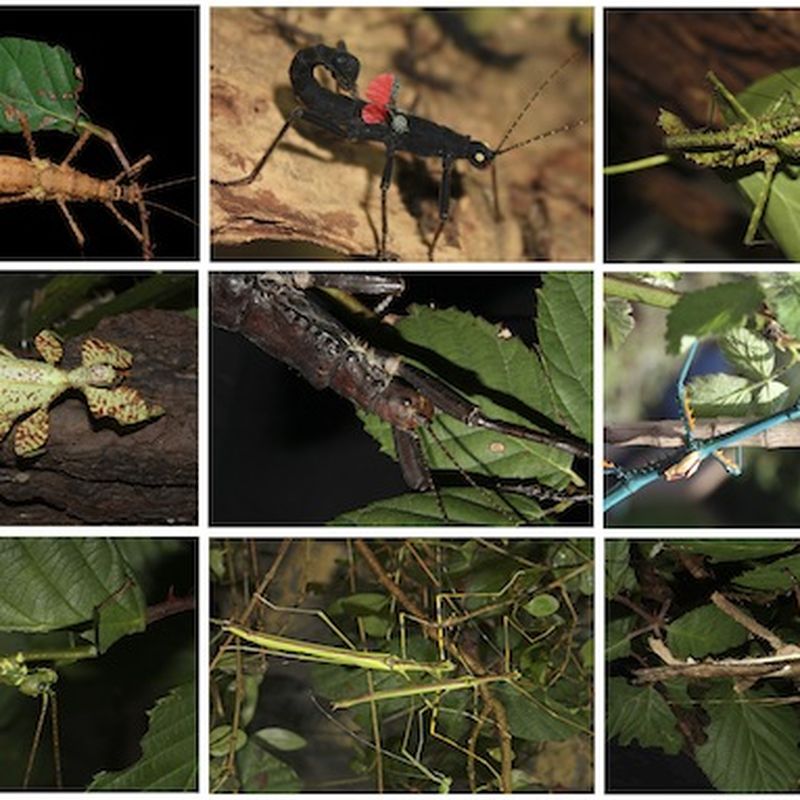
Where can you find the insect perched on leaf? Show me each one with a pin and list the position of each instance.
(32, 386)
(374, 116)
(758, 143)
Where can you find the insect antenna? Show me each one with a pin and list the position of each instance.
(500, 149)
(180, 215)
(531, 100)
(166, 185)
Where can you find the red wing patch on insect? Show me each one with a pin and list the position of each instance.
(380, 95)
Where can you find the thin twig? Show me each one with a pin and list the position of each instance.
(746, 621)
(430, 629)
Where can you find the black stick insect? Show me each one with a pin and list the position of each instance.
(378, 119)
(290, 317)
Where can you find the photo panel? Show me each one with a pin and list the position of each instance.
(98, 398)
(99, 666)
(701, 409)
(702, 658)
(100, 124)
(374, 133)
(402, 665)
(481, 383)
(701, 126)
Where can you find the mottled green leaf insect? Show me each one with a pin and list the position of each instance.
(27, 386)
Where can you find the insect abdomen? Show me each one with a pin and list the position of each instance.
(69, 184)
(16, 175)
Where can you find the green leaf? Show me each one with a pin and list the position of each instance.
(364, 604)
(543, 605)
(782, 214)
(169, 749)
(719, 550)
(780, 575)
(260, 771)
(619, 574)
(535, 718)
(640, 713)
(564, 328)
(782, 290)
(219, 740)
(715, 310)
(618, 320)
(751, 747)
(464, 506)
(618, 644)
(371, 608)
(47, 584)
(489, 370)
(41, 82)
(281, 739)
(751, 355)
(721, 394)
(703, 631)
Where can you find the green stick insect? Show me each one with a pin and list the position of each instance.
(15, 671)
(763, 129)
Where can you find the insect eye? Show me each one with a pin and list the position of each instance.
(481, 156)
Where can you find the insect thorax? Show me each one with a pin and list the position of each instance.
(95, 375)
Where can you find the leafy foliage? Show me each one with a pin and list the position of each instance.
(751, 747)
(550, 388)
(744, 740)
(641, 715)
(61, 584)
(538, 591)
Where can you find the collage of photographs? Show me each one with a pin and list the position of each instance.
(199, 413)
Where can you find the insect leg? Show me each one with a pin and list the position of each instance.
(729, 97)
(770, 165)
(76, 148)
(297, 114)
(444, 202)
(253, 174)
(412, 462)
(76, 231)
(684, 407)
(123, 221)
(357, 283)
(453, 404)
(129, 172)
(386, 182)
(18, 197)
(26, 134)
